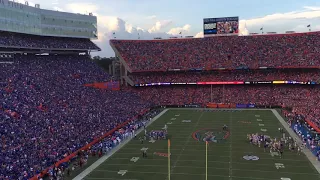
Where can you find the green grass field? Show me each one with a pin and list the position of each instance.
(225, 157)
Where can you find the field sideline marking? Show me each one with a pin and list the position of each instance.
(101, 160)
(250, 170)
(188, 140)
(158, 172)
(306, 151)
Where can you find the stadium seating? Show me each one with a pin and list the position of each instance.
(17, 40)
(46, 112)
(304, 98)
(289, 50)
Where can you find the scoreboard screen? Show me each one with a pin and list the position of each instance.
(224, 26)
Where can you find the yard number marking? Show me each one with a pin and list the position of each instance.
(274, 154)
(285, 179)
(134, 159)
(261, 124)
(257, 115)
(279, 165)
(144, 149)
(173, 119)
(259, 120)
(186, 121)
(177, 115)
(264, 130)
(152, 141)
(251, 158)
(169, 123)
(122, 172)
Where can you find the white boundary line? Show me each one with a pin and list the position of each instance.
(101, 160)
(306, 151)
(216, 168)
(192, 174)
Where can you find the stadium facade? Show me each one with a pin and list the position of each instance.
(22, 18)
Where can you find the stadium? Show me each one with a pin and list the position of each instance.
(221, 107)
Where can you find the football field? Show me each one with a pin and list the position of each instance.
(230, 155)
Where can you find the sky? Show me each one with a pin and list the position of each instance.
(166, 18)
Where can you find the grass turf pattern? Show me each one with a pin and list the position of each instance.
(225, 157)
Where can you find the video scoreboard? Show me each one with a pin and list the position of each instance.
(224, 26)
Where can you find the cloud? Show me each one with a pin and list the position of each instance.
(199, 35)
(281, 22)
(82, 8)
(55, 2)
(311, 8)
(58, 9)
(160, 25)
(153, 17)
(177, 30)
(243, 31)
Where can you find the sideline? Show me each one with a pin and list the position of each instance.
(91, 168)
(306, 151)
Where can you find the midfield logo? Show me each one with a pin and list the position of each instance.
(210, 135)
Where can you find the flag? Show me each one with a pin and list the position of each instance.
(207, 142)
(261, 29)
(309, 25)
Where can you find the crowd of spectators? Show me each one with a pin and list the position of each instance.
(129, 131)
(46, 112)
(305, 132)
(105, 146)
(10, 39)
(298, 50)
(234, 75)
(304, 98)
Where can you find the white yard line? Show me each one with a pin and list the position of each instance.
(185, 145)
(230, 147)
(91, 168)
